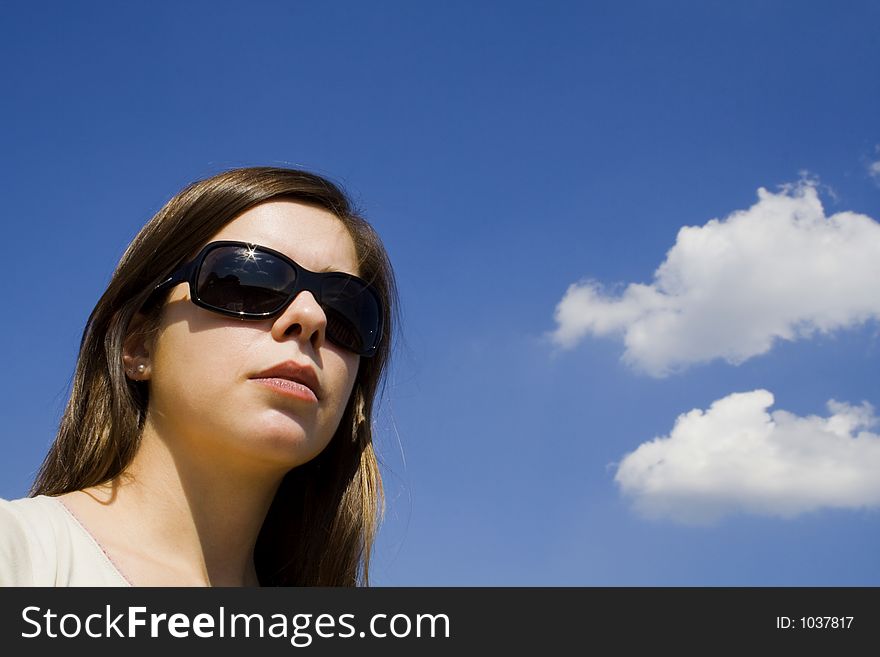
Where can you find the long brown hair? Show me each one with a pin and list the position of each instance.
(321, 526)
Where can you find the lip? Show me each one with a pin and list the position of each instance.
(291, 371)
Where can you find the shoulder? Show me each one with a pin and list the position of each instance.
(16, 542)
(32, 534)
(42, 543)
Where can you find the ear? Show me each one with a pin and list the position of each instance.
(137, 349)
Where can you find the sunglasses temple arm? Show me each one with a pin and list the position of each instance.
(164, 285)
(182, 275)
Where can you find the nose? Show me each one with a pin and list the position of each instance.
(304, 319)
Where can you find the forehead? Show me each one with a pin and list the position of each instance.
(313, 237)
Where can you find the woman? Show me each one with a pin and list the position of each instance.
(218, 432)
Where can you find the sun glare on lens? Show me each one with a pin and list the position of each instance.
(251, 253)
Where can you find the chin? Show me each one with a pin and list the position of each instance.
(286, 446)
(278, 436)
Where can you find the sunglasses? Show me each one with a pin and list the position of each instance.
(248, 281)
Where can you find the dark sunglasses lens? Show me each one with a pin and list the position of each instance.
(353, 315)
(239, 279)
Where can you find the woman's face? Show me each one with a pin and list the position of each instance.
(201, 365)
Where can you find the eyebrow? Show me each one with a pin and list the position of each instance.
(334, 270)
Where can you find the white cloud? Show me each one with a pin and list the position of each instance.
(738, 458)
(732, 287)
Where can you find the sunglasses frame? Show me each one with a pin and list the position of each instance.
(305, 280)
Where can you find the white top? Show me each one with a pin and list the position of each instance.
(43, 544)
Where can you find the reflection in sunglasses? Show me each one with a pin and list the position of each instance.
(249, 254)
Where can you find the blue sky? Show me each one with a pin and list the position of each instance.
(518, 159)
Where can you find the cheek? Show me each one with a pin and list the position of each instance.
(341, 372)
(197, 365)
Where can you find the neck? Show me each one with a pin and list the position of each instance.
(198, 512)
